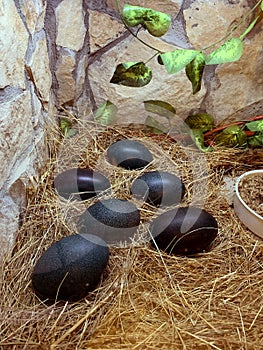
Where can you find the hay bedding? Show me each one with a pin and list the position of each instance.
(146, 299)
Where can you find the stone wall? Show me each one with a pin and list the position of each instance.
(62, 53)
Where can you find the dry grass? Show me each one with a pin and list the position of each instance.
(146, 299)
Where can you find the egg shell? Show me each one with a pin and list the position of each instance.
(70, 267)
(80, 183)
(158, 188)
(129, 154)
(184, 231)
(114, 220)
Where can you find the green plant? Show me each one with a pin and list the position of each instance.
(137, 74)
(199, 128)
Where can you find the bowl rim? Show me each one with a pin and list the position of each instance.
(240, 178)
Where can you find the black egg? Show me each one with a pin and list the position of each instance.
(129, 154)
(158, 188)
(70, 267)
(82, 184)
(184, 231)
(114, 220)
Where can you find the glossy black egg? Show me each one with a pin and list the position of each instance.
(158, 188)
(70, 267)
(184, 231)
(114, 220)
(80, 183)
(129, 154)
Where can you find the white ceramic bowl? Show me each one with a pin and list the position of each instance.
(249, 217)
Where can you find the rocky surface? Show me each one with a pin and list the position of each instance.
(64, 52)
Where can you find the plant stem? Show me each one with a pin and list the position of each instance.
(234, 28)
(220, 128)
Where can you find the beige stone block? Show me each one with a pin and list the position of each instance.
(67, 89)
(81, 75)
(167, 6)
(102, 29)
(209, 21)
(16, 135)
(34, 12)
(70, 24)
(39, 64)
(240, 82)
(9, 224)
(13, 46)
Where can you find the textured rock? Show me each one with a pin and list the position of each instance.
(70, 24)
(168, 6)
(19, 111)
(40, 68)
(34, 12)
(98, 36)
(9, 217)
(13, 43)
(64, 75)
(240, 82)
(209, 21)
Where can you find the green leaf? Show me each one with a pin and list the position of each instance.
(230, 51)
(155, 126)
(233, 136)
(157, 23)
(133, 15)
(256, 140)
(256, 125)
(198, 138)
(194, 71)
(176, 60)
(164, 109)
(134, 74)
(261, 5)
(66, 128)
(106, 113)
(201, 121)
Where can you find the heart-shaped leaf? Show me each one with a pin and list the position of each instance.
(176, 60)
(256, 140)
(232, 136)
(157, 23)
(194, 71)
(256, 125)
(134, 74)
(230, 51)
(106, 113)
(200, 121)
(164, 109)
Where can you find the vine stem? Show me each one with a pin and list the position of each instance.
(220, 128)
(234, 28)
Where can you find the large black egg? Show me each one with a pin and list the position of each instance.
(80, 183)
(114, 220)
(158, 188)
(184, 231)
(129, 154)
(70, 267)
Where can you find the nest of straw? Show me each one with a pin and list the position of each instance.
(146, 299)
